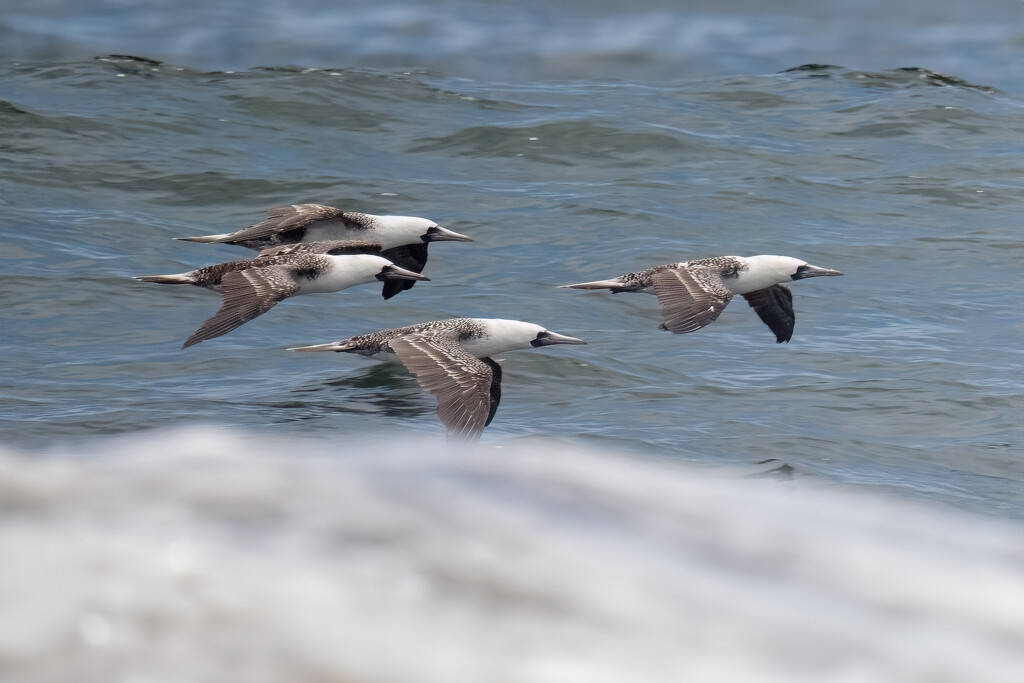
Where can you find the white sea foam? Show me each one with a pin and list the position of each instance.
(207, 556)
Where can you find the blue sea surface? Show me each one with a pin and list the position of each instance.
(905, 373)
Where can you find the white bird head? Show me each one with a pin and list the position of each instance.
(357, 269)
(398, 230)
(507, 335)
(765, 270)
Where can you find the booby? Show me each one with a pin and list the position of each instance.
(403, 239)
(251, 287)
(453, 360)
(692, 294)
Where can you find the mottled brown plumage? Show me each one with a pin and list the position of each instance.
(452, 360)
(251, 287)
(462, 383)
(690, 298)
(694, 293)
(403, 239)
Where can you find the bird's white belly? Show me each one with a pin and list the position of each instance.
(332, 230)
(491, 345)
(750, 282)
(344, 272)
(484, 348)
(332, 281)
(337, 230)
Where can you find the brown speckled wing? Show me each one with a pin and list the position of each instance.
(247, 295)
(289, 217)
(332, 247)
(690, 298)
(461, 382)
(774, 306)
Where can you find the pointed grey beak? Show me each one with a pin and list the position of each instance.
(332, 346)
(813, 271)
(393, 272)
(549, 338)
(439, 234)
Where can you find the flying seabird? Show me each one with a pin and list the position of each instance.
(692, 294)
(403, 239)
(452, 359)
(252, 287)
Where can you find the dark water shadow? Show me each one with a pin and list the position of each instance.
(901, 77)
(385, 388)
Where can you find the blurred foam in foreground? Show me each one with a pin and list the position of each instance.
(207, 556)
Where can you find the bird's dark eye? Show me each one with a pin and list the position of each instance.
(539, 339)
(800, 273)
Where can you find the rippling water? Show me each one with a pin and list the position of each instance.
(904, 374)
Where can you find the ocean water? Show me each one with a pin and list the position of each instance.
(574, 142)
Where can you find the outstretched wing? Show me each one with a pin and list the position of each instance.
(495, 387)
(247, 294)
(332, 247)
(774, 306)
(289, 217)
(690, 298)
(462, 383)
(409, 256)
